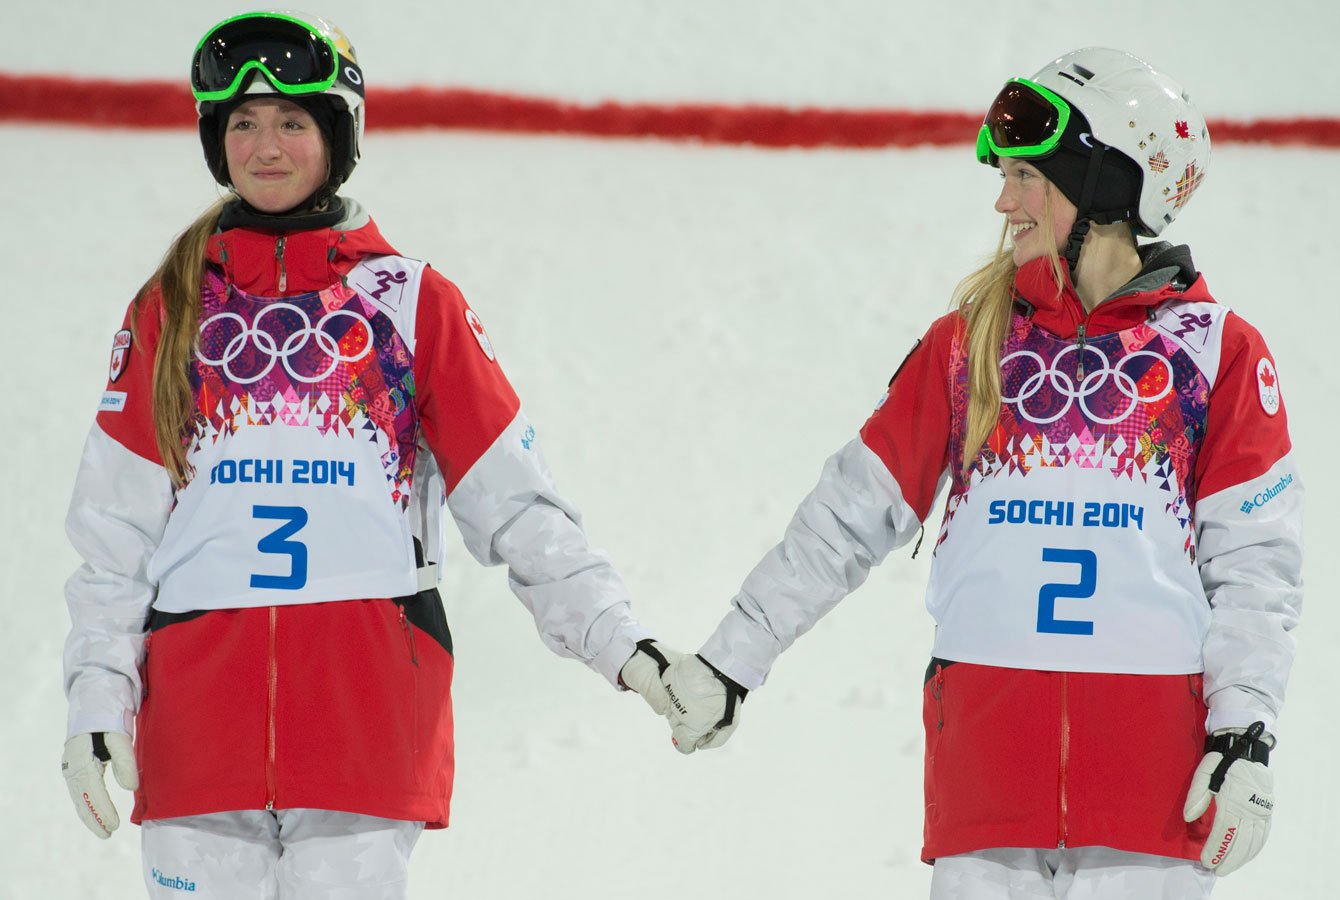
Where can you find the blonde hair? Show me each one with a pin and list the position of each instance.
(178, 280)
(985, 301)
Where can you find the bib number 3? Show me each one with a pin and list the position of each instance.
(277, 542)
(1087, 561)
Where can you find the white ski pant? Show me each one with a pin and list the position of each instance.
(1078, 873)
(291, 854)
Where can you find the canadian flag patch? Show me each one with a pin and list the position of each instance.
(120, 350)
(477, 329)
(1268, 386)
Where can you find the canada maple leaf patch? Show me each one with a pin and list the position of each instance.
(477, 329)
(1267, 386)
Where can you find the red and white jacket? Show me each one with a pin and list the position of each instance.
(1123, 552)
(271, 630)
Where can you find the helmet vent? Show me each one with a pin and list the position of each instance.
(1079, 81)
(1086, 74)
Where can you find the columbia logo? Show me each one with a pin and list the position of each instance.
(1267, 495)
(176, 882)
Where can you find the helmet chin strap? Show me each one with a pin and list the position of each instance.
(1083, 209)
(1076, 243)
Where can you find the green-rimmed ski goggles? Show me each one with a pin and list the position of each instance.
(296, 57)
(1025, 120)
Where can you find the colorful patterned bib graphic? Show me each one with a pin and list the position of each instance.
(327, 360)
(1132, 403)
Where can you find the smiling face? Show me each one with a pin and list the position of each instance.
(1024, 198)
(277, 156)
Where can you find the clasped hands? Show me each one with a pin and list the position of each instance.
(701, 704)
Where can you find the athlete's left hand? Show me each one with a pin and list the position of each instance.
(1234, 775)
(642, 673)
(83, 763)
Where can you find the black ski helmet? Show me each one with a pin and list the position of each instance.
(301, 58)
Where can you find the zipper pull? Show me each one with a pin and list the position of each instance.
(1079, 330)
(279, 255)
(404, 623)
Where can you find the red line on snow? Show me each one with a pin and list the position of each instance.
(101, 103)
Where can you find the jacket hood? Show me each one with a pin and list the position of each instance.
(1167, 273)
(277, 261)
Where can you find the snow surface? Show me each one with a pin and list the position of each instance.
(693, 330)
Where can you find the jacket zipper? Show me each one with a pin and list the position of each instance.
(937, 691)
(404, 623)
(1079, 331)
(271, 697)
(1062, 828)
(1195, 698)
(144, 668)
(279, 255)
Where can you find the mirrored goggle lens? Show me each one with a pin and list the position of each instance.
(290, 53)
(1024, 121)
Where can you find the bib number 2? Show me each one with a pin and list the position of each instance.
(1050, 593)
(277, 542)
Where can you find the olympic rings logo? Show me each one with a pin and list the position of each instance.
(264, 342)
(1092, 382)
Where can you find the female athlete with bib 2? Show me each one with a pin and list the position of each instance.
(260, 512)
(1118, 567)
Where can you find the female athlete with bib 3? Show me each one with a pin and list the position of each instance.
(259, 507)
(1118, 568)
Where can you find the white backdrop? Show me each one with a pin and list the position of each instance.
(693, 329)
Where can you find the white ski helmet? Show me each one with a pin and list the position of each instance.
(1125, 105)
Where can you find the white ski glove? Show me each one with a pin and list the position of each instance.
(704, 704)
(85, 758)
(1234, 774)
(642, 673)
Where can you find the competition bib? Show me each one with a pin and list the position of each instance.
(303, 452)
(1070, 545)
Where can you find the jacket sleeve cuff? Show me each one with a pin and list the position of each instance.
(92, 724)
(1232, 708)
(742, 650)
(610, 661)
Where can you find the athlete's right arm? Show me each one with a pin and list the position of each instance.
(871, 498)
(501, 494)
(122, 496)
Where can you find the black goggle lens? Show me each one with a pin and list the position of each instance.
(1019, 117)
(289, 52)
